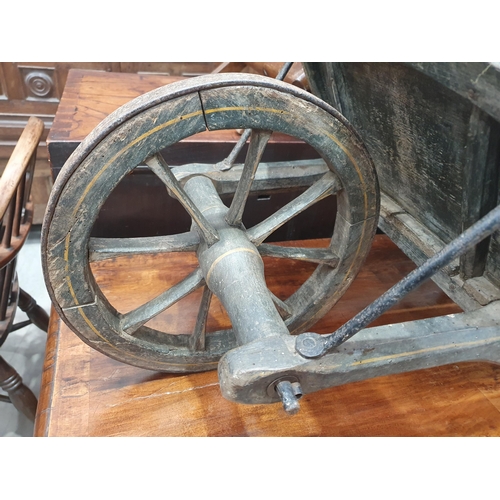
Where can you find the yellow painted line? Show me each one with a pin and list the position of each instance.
(365, 196)
(126, 148)
(356, 166)
(224, 255)
(92, 327)
(66, 251)
(86, 319)
(209, 208)
(246, 108)
(80, 201)
(75, 299)
(428, 349)
(73, 294)
(342, 147)
(68, 278)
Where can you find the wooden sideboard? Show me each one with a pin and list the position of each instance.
(36, 88)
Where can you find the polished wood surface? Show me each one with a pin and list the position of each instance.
(90, 96)
(85, 393)
(18, 162)
(35, 89)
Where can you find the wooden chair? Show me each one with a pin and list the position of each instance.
(16, 213)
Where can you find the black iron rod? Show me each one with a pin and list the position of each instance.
(314, 345)
(283, 71)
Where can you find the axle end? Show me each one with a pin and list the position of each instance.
(289, 394)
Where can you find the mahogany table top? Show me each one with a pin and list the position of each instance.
(84, 393)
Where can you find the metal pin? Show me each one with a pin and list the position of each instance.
(287, 393)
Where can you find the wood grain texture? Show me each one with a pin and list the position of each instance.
(35, 88)
(18, 162)
(90, 96)
(478, 82)
(432, 130)
(87, 394)
(415, 131)
(43, 415)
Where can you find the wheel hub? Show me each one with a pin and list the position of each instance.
(234, 271)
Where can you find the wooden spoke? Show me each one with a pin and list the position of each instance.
(133, 320)
(322, 188)
(228, 162)
(284, 309)
(108, 248)
(258, 142)
(158, 165)
(197, 339)
(318, 255)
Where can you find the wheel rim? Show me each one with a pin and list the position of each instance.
(157, 120)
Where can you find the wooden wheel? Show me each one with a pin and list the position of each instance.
(134, 135)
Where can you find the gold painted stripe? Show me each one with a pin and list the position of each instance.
(166, 363)
(229, 252)
(73, 294)
(343, 148)
(68, 277)
(428, 349)
(210, 208)
(80, 201)
(127, 147)
(356, 166)
(365, 196)
(70, 286)
(246, 108)
(66, 251)
(94, 329)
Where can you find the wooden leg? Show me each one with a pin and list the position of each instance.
(21, 396)
(34, 312)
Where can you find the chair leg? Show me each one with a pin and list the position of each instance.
(20, 395)
(34, 312)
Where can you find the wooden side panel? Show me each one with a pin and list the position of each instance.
(479, 82)
(415, 130)
(481, 177)
(433, 131)
(492, 270)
